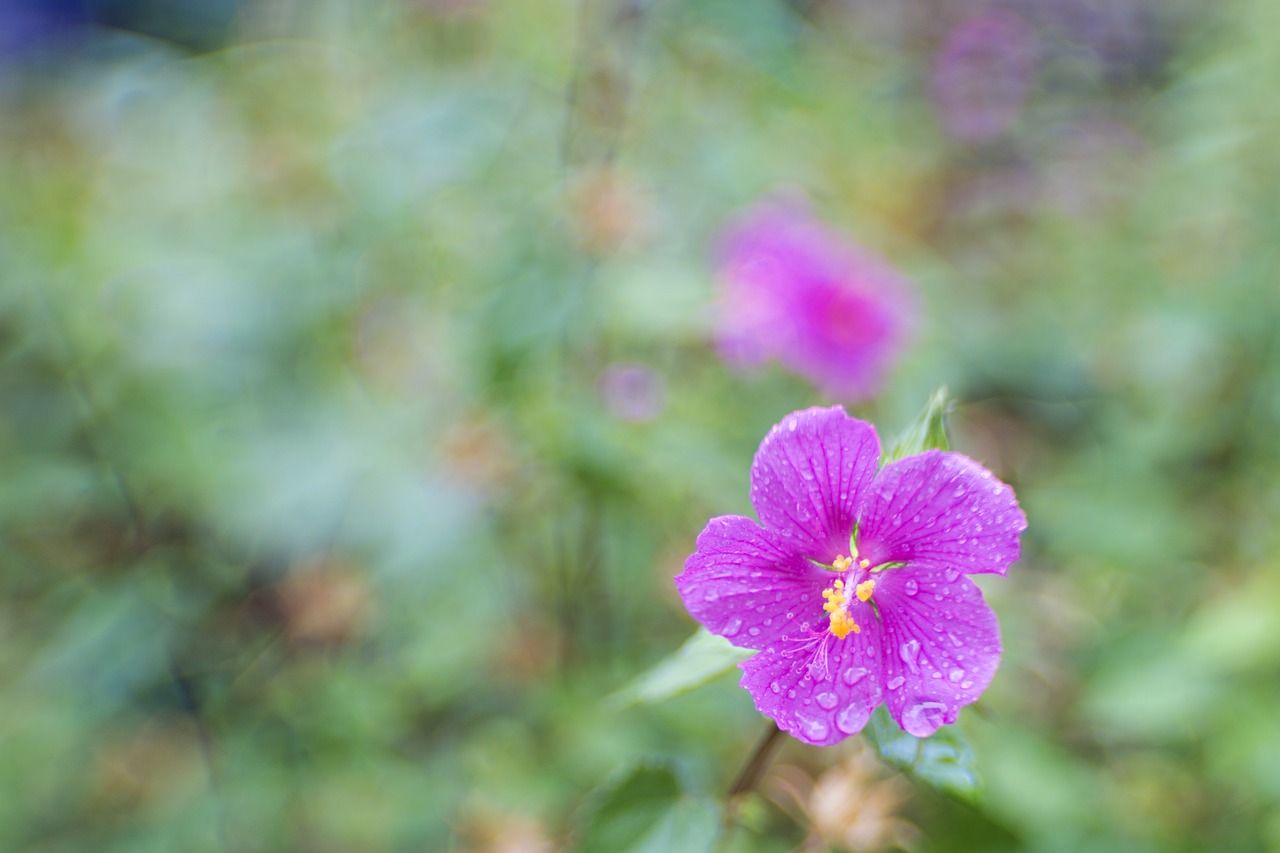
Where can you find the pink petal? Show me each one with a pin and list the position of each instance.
(941, 510)
(810, 476)
(750, 585)
(822, 691)
(941, 645)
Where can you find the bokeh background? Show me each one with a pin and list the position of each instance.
(359, 401)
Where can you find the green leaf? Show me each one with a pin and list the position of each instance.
(945, 760)
(702, 657)
(927, 432)
(645, 811)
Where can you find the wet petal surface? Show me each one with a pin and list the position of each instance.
(811, 474)
(941, 510)
(940, 645)
(750, 585)
(822, 691)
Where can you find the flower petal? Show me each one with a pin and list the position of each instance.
(941, 510)
(941, 645)
(811, 474)
(750, 585)
(822, 691)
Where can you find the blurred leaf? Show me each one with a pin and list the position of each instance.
(702, 657)
(644, 812)
(927, 432)
(945, 760)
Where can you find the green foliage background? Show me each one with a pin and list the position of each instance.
(318, 533)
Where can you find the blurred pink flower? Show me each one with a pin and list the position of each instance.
(984, 74)
(795, 290)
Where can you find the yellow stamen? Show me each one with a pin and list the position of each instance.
(864, 590)
(864, 563)
(841, 622)
(841, 563)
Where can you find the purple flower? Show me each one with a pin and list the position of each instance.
(798, 291)
(852, 586)
(984, 74)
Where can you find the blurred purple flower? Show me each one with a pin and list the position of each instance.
(852, 586)
(632, 392)
(795, 290)
(984, 74)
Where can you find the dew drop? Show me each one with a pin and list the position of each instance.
(775, 687)
(791, 425)
(791, 694)
(853, 675)
(753, 631)
(827, 701)
(711, 595)
(923, 719)
(909, 651)
(851, 719)
(732, 627)
(813, 729)
(911, 587)
(896, 682)
(951, 575)
(956, 675)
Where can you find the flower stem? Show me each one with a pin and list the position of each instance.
(747, 779)
(751, 772)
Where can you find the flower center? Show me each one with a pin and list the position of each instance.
(838, 599)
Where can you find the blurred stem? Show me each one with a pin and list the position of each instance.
(747, 779)
(751, 772)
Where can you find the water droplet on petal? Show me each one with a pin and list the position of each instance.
(851, 719)
(896, 682)
(711, 595)
(923, 719)
(775, 687)
(812, 728)
(791, 694)
(951, 575)
(911, 587)
(827, 701)
(909, 651)
(956, 675)
(965, 685)
(732, 627)
(753, 631)
(853, 675)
